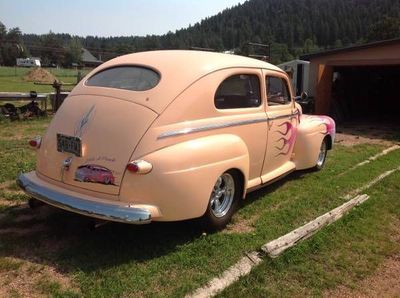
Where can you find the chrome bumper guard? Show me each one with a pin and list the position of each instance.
(75, 204)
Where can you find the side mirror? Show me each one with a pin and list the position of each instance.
(304, 96)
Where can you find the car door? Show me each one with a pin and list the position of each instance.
(239, 100)
(282, 126)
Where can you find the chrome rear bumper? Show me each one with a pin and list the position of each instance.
(105, 211)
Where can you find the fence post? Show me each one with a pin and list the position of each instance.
(57, 101)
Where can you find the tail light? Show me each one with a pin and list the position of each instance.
(35, 142)
(139, 167)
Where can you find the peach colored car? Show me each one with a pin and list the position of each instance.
(183, 134)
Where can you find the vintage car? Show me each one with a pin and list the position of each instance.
(183, 134)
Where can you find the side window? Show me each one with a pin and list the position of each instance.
(238, 91)
(277, 91)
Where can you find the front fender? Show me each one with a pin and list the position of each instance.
(184, 174)
(310, 133)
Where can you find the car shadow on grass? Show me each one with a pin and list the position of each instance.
(63, 240)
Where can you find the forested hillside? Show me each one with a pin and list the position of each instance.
(326, 22)
(291, 27)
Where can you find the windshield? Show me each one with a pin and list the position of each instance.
(135, 78)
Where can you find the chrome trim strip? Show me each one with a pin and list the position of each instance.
(184, 131)
(291, 115)
(75, 204)
(189, 130)
(281, 117)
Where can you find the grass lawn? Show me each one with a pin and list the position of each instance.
(11, 79)
(50, 252)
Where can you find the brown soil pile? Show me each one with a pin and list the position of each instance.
(39, 75)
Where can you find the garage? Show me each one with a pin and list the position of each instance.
(357, 83)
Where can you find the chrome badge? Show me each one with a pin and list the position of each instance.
(82, 124)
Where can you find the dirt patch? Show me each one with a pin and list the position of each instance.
(384, 283)
(29, 279)
(6, 203)
(13, 136)
(6, 184)
(39, 75)
(351, 140)
(351, 134)
(23, 273)
(240, 226)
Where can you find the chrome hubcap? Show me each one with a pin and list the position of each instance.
(222, 195)
(322, 154)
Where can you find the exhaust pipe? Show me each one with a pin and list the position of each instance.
(95, 224)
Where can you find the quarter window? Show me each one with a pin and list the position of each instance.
(238, 91)
(133, 78)
(277, 91)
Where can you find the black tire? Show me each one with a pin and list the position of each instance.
(217, 218)
(322, 155)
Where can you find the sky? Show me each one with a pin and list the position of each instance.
(107, 17)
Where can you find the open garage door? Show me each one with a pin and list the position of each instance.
(370, 93)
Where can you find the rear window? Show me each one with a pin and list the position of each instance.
(135, 78)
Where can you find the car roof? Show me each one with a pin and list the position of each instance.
(199, 62)
(178, 69)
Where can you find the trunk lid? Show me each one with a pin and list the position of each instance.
(108, 130)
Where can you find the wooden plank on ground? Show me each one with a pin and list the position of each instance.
(276, 247)
(228, 277)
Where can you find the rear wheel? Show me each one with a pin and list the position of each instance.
(224, 199)
(322, 155)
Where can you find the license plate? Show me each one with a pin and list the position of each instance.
(69, 144)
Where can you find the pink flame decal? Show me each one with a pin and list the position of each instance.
(288, 126)
(286, 141)
(327, 122)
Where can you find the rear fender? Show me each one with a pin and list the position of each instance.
(184, 174)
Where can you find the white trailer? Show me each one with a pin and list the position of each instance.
(298, 71)
(28, 62)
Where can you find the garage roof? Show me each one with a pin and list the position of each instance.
(351, 48)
